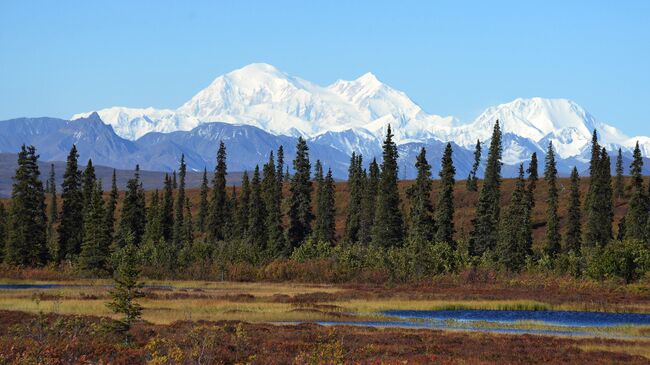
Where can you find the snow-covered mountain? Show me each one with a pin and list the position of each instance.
(353, 115)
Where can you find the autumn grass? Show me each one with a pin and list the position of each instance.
(636, 349)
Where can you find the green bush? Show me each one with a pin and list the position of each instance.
(629, 260)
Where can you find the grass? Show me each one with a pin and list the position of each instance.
(629, 349)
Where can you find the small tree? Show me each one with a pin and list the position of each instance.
(472, 180)
(127, 289)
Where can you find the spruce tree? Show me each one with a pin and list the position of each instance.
(421, 224)
(52, 211)
(532, 179)
(189, 222)
(600, 211)
(201, 219)
(93, 259)
(619, 184)
(273, 219)
(167, 210)
(27, 239)
(70, 230)
(133, 215)
(324, 226)
(444, 216)
(356, 182)
(127, 288)
(300, 211)
(472, 180)
(88, 185)
(217, 216)
(111, 205)
(179, 233)
(637, 213)
(573, 238)
(512, 247)
(553, 239)
(593, 169)
(369, 202)
(484, 235)
(388, 230)
(256, 232)
(152, 231)
(3, 230)
(244, 205)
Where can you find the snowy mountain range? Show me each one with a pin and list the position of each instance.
(258, 108)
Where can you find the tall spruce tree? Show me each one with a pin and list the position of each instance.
(111, 205)
(421, 224)
(179, 233)
(637, 213)
(133, 215)
(472, 179)
(95, 248)
(444, 216)
(273, 220)
(324, 226)
(619, 184)
(152, 230)
(356, 182)
(167, 210)
(300, 211)
(484, 235)
(27, 239)
(533, 176)
(573, 238)
(88, 185)
(369, 202)
(201, 219)
(52, 211)
(553, 239)
(512, 247)
(600, 211)
(388, 228)
(70, 230)
(593, 171)
(218, 204)
(188, 225)
(244, 205)
(256, 233)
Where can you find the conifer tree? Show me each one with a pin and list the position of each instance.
(256, 232)
(324, 225)
(532, 179)
(27, 239)
(512, 246)
(52, 211)
(244, 206)
(231, 231)
(637, 213)
(189, 222)
(444, 216)
(593, 169)
(3, 230)
(201, 219)
(472, 180)
(152, 231)
(273, 219)
(388, 230)
(619, 184)
(133, 215)
(93, 259)
(356, 182)
(174, 182)
(279, 175)
(179, 230)
(600, 211)
(127, 288)
(369, 202)
(485, 232)
(553, 239)
(421, 224)
(573, 238)
(218, 214)
(88, 185)
(70, 229)
(167, 210)
(111, 205)
(300, 211)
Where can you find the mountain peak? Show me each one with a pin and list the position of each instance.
(368, 79)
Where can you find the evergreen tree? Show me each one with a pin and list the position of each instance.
(532, 179)
(273, 219)
(637, 213)
(485, 232)
(133, 215)
(619, 184)
(167, 210)
(279, 175)
(3, 230)
(231, 230)
(324, 227)
(512, 246)
(88, 184)
(110, 208)
(593, 169)
(152, 230)
(369, 202)
(421, 224)
(300, 213)
(388, 230)
(52, 212)
(553, 239)
(472, 180)
(356, 182)
(174, 183)
(179, 233)
(189, 222)
(256, 232)
(218, 214)
(600, 211)
(573, 238)
(244, 206)
(445, 208)
(27, 238)
(93, 259)
(70, 230)
(201, 219)
(127, 288)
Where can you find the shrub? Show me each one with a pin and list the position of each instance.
(629, 260)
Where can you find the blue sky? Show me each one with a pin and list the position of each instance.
(452, 57)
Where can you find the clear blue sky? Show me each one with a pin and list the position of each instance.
(452, 57)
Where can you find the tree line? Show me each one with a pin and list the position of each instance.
(263, 222)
